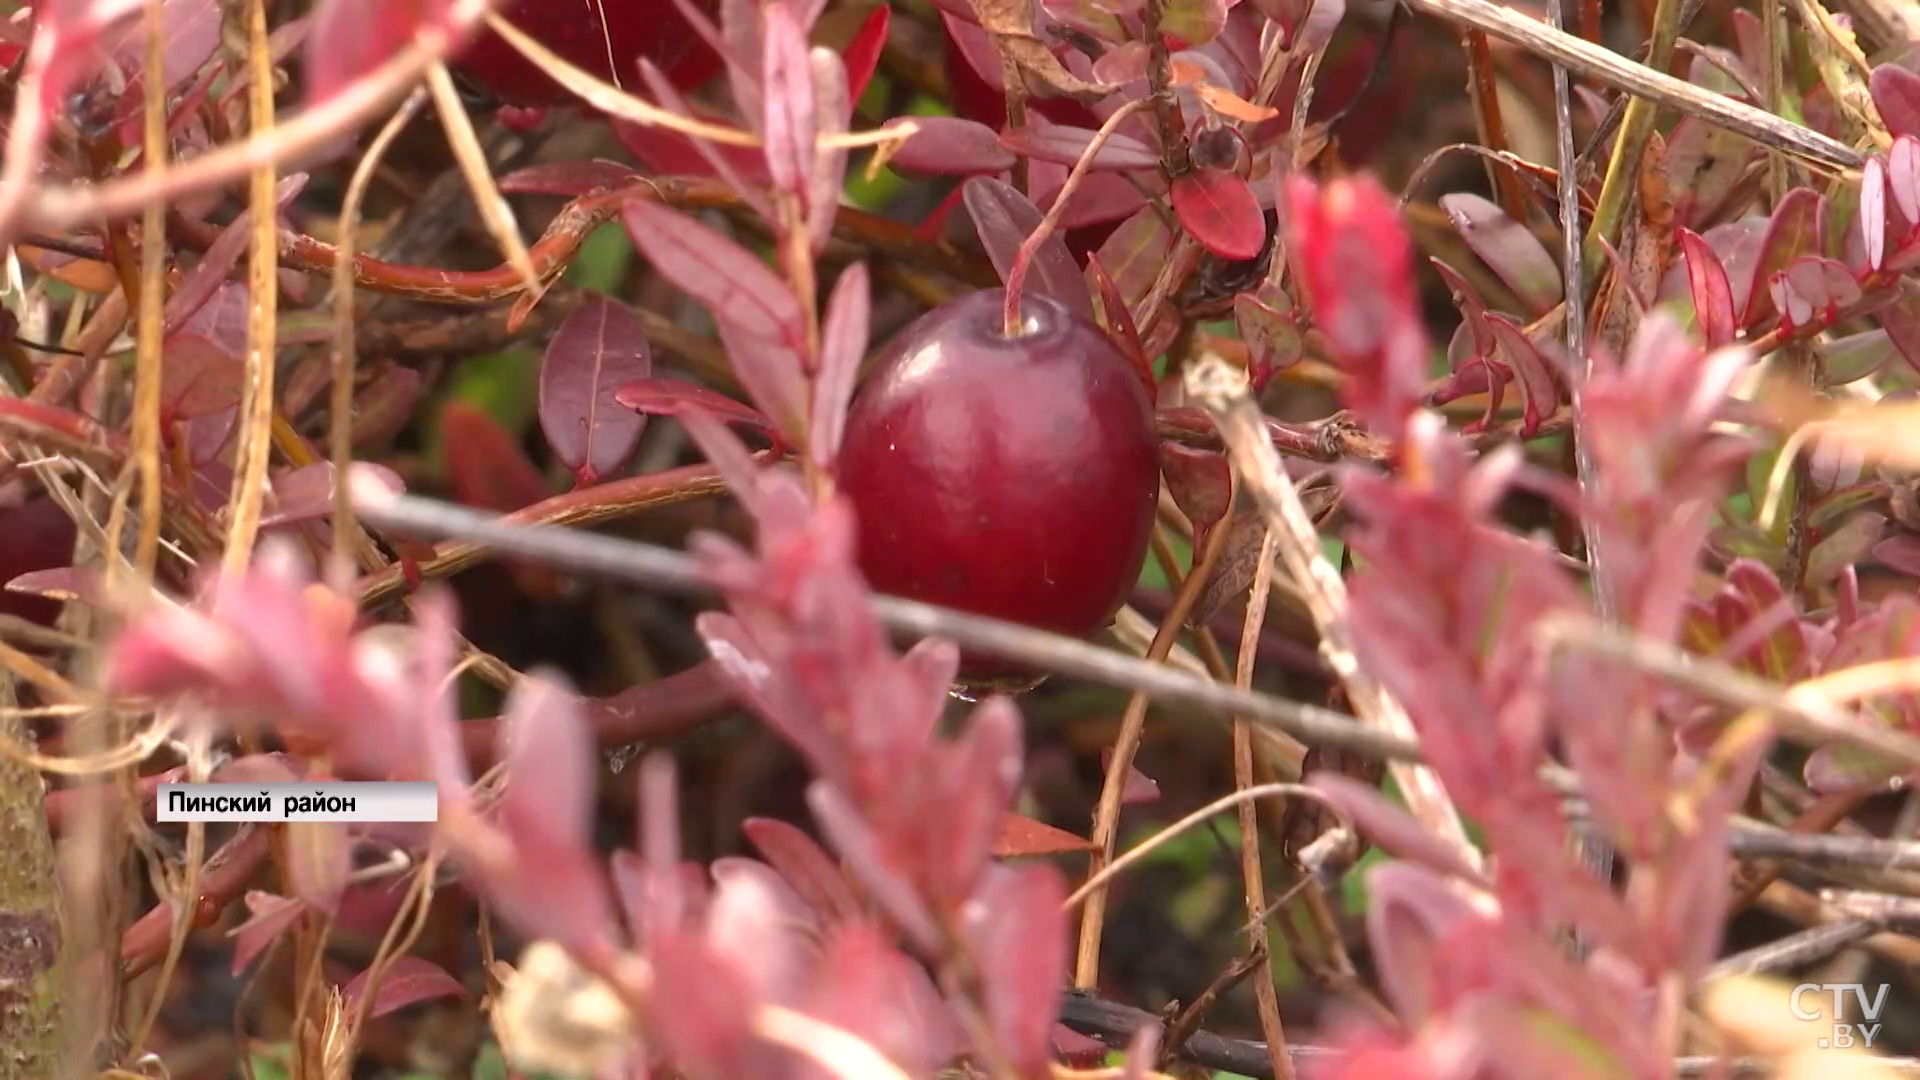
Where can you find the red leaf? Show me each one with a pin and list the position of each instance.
(1896, 93)
(833, 109)
(979, 780)
(860, 849)
(571, 179)
(1539, 392)
(1024, 836)
(1274, 342)
(555, 889)
(204, 362)
(1873, 211)
(1138, 787)
(733, 284)
(190, 32)
(1067, 145)
(843, 344)
(598, 349)
(36, 543)
(409, 980)
(805, 867)
(863, 52)
(349, 38)
(1101, 198)
(1004, 218)
(384, 407)
(1390, 827)
(671, 397)
(1135, 252)
(788, 121)
(948, 145)
(1201, 484)
(866, 986)
(1903, 182)
(1354, 259)
(1812, 291)
(1118, 320)
(1019, 936)
(704, 1022)
(271, 916)
(752, 306)
(1901, 320)
(1712, 296)
(1798, 227)
(486, 468)
(742, 168)
(306, 493)
(1509, 249)
(1410, 910)
(1221, 212)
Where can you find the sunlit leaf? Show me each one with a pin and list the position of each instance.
(1221, 212)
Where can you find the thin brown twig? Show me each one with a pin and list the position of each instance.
(55, 209)
(1187, 1020)
(346, 531)
(184, 908)
(663, 568)
(255, 418)
(1483, 85)
(1602, 65)
(1106, 816)
(1252, 875)
(495, 214)
(1222, 389)
(153, 268)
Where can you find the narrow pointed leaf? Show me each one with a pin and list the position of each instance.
(670, 397)
(1712, 295)
(408, 980)
(950, 145)
(843, 342)
(1065, 145)
(1004, 218)
(787, 120)
(1509, 249)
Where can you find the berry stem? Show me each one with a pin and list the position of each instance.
(1017, 277)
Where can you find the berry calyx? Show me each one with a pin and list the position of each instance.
(607, 38)
(1010, 476)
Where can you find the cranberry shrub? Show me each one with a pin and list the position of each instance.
(1606, 669)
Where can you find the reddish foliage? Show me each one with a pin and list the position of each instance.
(1011, 471)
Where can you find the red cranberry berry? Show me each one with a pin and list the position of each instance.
(605, 37)
(1014, 477)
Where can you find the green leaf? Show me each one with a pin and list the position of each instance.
(271, 1062)
(504, 384)
(603, 259)
(1153, 577)
(489, 1063)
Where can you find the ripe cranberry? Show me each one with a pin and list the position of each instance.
(605, 37)
(1011, 477)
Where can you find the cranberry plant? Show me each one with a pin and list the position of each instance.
(1508, 514)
